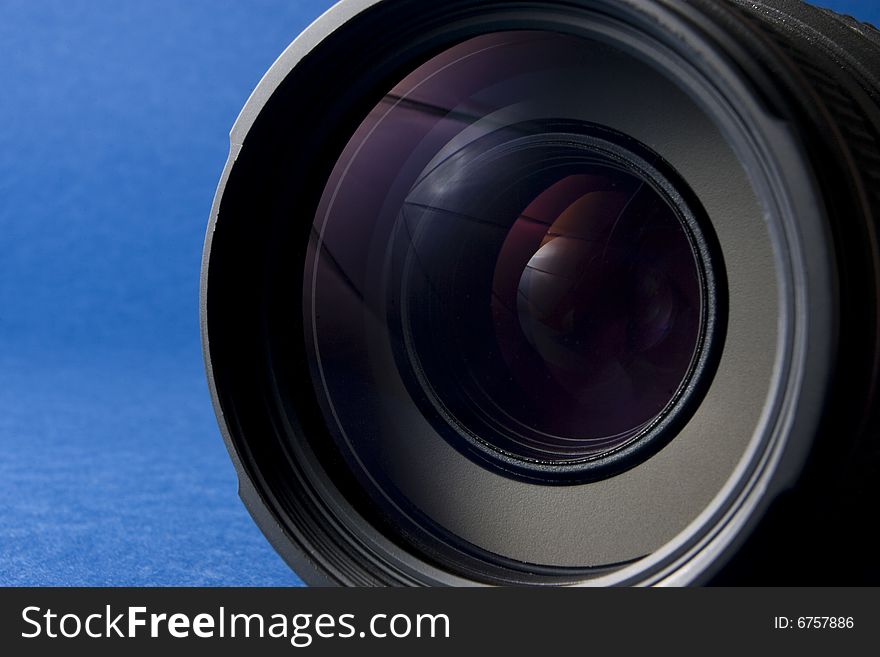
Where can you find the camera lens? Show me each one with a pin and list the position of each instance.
(554, 293)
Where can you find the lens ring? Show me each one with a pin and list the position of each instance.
(440, 366)
(389, 443)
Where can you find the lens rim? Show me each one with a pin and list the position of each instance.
(639, 161)
(422, 484)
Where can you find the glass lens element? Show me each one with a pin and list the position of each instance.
(550, 292)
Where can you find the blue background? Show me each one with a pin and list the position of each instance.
(114, 117)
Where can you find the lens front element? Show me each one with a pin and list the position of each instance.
(536, 289)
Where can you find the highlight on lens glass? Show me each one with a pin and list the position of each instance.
(556, 293)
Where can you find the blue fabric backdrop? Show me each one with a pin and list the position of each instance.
(114, 118)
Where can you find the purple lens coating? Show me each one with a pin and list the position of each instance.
(596, 300)
(492, 267)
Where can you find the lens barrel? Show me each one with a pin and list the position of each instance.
(556, 293)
